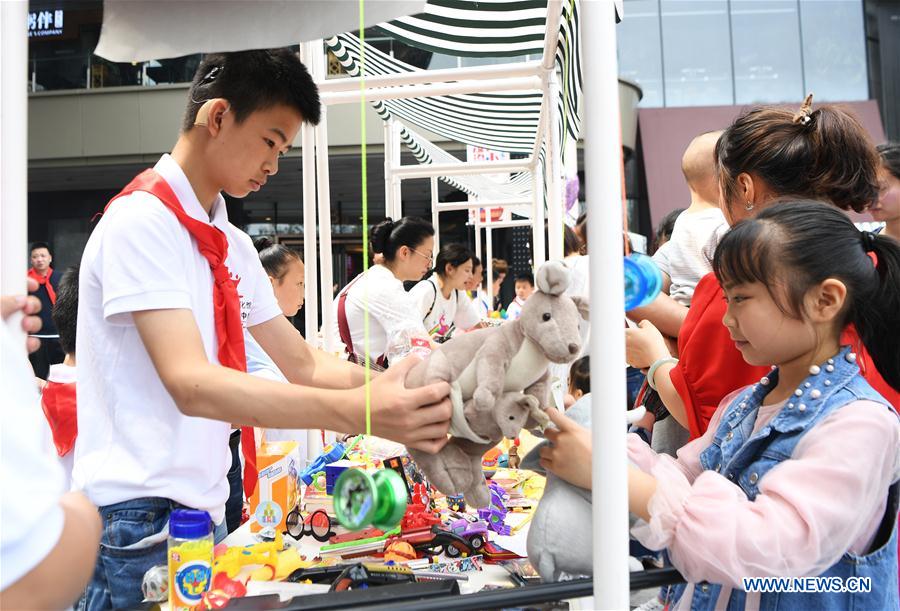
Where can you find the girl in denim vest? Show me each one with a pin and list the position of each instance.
(797, 474)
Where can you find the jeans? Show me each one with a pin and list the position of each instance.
(133, 541)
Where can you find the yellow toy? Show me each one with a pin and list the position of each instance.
(235, 558)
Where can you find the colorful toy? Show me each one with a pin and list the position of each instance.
(277, 491)
(498, 380)
(190, 553)
(155, 585)
(495, 513)
(399, 551)
(334, 470)
(330, 454)
(318, 524)
(456, 502)
(643, 280)
(361, 499)
(472, 530)
(235, 558)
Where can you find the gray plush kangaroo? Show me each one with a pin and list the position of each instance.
(499, 381)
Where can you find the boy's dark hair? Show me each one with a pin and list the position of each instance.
(65, 310)
(475, 262)
(571, 242)
(665, 227)
(792, 246)
(452, 254)
(389, 235)
(35, 245)
(275, 257)
(580, 375)
(251, 81)
(525, 277)
(823, 154)
(890, 157)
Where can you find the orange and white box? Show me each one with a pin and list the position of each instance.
(277, 491)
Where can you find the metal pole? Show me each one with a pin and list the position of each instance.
(310, 258)
(447, 75)
(14, 149)
(554, 163)
(539, 236)
(396, 185)
(388, 158)
(489, 246)
(603, 153)
(435, 213)
(527, 83)
(427, 170)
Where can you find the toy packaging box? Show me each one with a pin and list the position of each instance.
(277, 491)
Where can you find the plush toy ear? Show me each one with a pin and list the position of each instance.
(553, 278)
(582, 304)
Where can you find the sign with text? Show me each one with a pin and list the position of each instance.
(42, 24)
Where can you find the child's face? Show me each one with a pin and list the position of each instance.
(289, 290)
(246, 154)
(888, 206)
(475, 281)
(523, 289)
(761, 331)
(460, 276)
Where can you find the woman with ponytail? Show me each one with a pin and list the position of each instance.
(404, 251)
(441, 299)
(797, 474)
(767, 154)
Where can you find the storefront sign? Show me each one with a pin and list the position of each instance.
(45, 23)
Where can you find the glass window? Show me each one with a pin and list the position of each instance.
(696, 53)
(834, 49)
(639, 49)
(767, 58)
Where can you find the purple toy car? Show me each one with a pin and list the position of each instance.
(475, 532)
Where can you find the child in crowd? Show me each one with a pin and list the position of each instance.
(475, 281)
(687, 255)
(58, 395)
(887, 209)
(785, 481)
(498, 276)
(524, 289)
(441, 299)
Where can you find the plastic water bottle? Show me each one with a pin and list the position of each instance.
(643, 280)
(190, 555)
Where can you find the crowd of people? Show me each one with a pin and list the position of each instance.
(771, 359)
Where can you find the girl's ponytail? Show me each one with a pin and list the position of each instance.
(877, 315)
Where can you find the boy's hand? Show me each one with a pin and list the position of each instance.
(569, 452)
(644, 345)
(416, 417)
(29, 306)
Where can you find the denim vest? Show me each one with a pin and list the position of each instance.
(745, 458)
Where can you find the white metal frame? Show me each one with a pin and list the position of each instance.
(602, 161)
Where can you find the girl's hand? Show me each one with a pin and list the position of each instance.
(644, 345)
(569, 452)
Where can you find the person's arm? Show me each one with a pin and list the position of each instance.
(415, 417)
(664, 312)
(61, 576)
(300, 362)
(644, 346)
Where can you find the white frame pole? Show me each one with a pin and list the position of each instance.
(446, 75)
(326, 273)
(478, 204)
(310, 155)
(554, 164)
(427, 170)
(489, 251)
(388, 158)
(396, 187)
(525, 83)
(538, 235)
(602, 155)
(435, 214)
(14, 148)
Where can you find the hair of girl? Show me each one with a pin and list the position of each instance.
(793, 246)
(571, 242)
(890, 157)
(452, 254)
(275, 257)
(823, 154)
(580, 375)
(500, 266)
(389, 236)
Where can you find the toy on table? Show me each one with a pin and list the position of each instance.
(221, 591)
(277, 491)
(234, 559)
(435, 540)
(495, 513)
(318, 524)
(514, 461)
(361, 499)
(498, 380)
(456, 502)
(155, 585)
(471, 529)
(330, 454)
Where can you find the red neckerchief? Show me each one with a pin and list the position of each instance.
(58, 402)
(213, 245)
(44, 281)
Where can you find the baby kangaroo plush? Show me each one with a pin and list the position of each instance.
(499, 381)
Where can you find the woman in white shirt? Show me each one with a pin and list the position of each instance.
(441, 300)
(406, 247)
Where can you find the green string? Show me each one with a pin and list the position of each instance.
(365, 212)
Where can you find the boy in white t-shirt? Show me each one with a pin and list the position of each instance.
(524, 289)
(167, 285)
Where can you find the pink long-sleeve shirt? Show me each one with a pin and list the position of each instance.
(826, 500)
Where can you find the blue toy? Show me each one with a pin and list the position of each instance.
(332, 453)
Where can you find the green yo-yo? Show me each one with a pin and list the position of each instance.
(361, 499)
